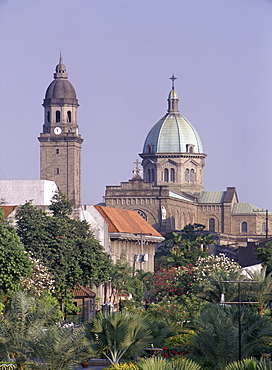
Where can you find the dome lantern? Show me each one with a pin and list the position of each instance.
(173, 98)
(60, 70)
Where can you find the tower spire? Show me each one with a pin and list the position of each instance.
(173, 97)
(60, 69)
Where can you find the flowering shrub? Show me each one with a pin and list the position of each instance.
(211, 274)
(206, 266)
(124, 366)
(169, 352)
(175, 281)
(41, 279)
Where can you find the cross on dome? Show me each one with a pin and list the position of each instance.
(173, 78)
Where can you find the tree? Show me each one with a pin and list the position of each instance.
(119, 334)
(64, 245)
(184, 247)
(261, 291)
(217, 333)
(211, 274)
(160, 364)
(14, 261)
(265, 255)
(250, 364)
(28, 333)
(56, 348)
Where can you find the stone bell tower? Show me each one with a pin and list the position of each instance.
(60, 142)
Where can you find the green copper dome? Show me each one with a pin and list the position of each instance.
(172, 133)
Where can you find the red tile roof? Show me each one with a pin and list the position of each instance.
(8, 210)
(81, 291)
(126, 221)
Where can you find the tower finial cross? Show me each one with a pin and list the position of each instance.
(137, 170)
(173, 78)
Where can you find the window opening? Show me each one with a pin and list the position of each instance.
(172, 174)
(148, 176)
(212, 224)
(166, 175)
(244, 227)
(152, 175)
(69, 116)
(187, 174)
(57, 116)
(192, 175)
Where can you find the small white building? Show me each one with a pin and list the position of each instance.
(18, 192)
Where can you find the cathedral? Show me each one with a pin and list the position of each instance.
(170, 193)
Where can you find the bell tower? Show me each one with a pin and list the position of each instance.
(60, 142)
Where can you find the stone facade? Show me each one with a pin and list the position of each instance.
(170, 195)
(60, 142)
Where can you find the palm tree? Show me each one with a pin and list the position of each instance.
(28, 335)
(217, 334)
(147, 279)
(15, 327)
(261, 291)
(118, 334)
(250, 364)
(160, 364)
(211, 287)
(56, 348)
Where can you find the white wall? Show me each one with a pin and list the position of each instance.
(17, 192)
(98, 225)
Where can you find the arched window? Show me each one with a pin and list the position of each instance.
(57, 116)
(172, 175)
(264, 227)
(141, 213)
(48, 116)
(212, 225)
(152, 175)
(166, 175)
(244, 227)
(192, 175)
(69, 116)
(148, 175)
(187, 174)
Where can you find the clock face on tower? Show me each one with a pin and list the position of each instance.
(57, 130)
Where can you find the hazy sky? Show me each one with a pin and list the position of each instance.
(119, 55)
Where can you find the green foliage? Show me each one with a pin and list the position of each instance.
(124, 366)
(210, 275)
(176, 364)
(184, 247)
(28, 333)
(265, 255)
(217, 333)
(118, 334)
(61, 205)
(123, 280)
(174, 313)
(56, 348)
(250, 364)
(14, 262)
(261, 290)
(65, 246)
